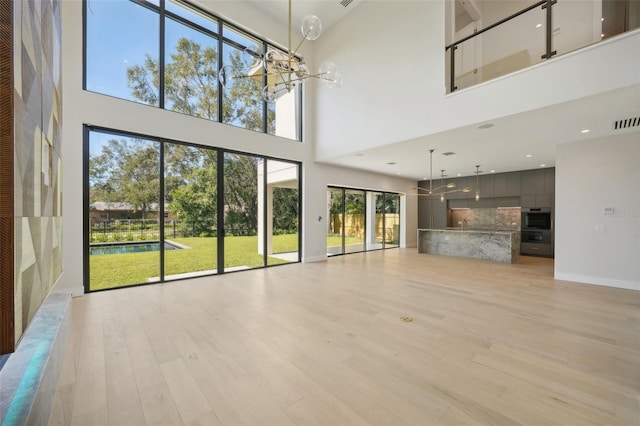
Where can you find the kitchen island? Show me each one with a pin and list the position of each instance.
(499, 246)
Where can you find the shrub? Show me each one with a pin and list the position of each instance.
(118, 237)
(129, 236)
(102, 238)
(143, 237)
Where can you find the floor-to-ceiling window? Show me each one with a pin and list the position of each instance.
(335, 221)
(241, 212)
(282, 216)
(190, 213)
(155, 210)
(354, 226)
(169, 54)
(361, 220)
(124, 197)
(391, 220)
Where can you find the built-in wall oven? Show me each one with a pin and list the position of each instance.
(536, 218)
(537, 231)
(538, 237)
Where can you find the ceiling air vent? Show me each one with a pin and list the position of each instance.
(626, 123)
(448, 153)
(346, 3)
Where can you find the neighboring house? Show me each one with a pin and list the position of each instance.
(103, 211)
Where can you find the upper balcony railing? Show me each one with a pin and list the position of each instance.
(531, 35)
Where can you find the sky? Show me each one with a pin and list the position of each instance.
(111, 49)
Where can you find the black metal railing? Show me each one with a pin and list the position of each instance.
(544, 4)
(123, 230)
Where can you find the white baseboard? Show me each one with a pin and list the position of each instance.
(311, 259)
(586, 279)
(77, 291)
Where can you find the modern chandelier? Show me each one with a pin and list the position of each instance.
(283, 71)
(443, 189)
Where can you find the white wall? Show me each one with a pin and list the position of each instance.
(90, 108)
(591, 246)
(574, 25)
(391, 54)
(315, 180)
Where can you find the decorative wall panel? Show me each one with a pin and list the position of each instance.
(7, 337)
(37, 257)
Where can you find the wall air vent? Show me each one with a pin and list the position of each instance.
(448, 153)
(346, 3)
(626, 123)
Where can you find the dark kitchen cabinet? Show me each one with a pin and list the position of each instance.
(500, 185)
(536, 249)
(550, 181)
(528, 200)
(532, 182)
(513, 184)
(487, 187)
(537, 188)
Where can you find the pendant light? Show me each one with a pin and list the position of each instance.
(478, 182)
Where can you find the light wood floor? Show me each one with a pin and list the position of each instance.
(324, 344)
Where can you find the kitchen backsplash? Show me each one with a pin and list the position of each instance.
(502, 219)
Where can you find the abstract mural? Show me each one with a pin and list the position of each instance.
(37, 164)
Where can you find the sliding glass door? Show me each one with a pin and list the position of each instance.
(282, 201)
(360, 220)
(124, 206)
(354, 226)
(155, 210)
(190, 216)
(335, 221)
(241, 243)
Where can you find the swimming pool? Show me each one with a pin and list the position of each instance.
(100, 249)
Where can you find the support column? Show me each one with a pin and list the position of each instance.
(370, 220)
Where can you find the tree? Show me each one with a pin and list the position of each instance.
(127, 171)
(191, 86)
(285, 210)
(241, 192)
(193, 191)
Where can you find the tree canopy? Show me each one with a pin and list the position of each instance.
(128, 170)
(191, 86)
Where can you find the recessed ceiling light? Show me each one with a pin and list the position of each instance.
(528, 155)
(543, 165)
(459, 174)
(398, 172)
(585, 131)
(485, 126)
(601, 35)
(538, 26)
(493, 171)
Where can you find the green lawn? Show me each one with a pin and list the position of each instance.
(336, 241)
(115, 270)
